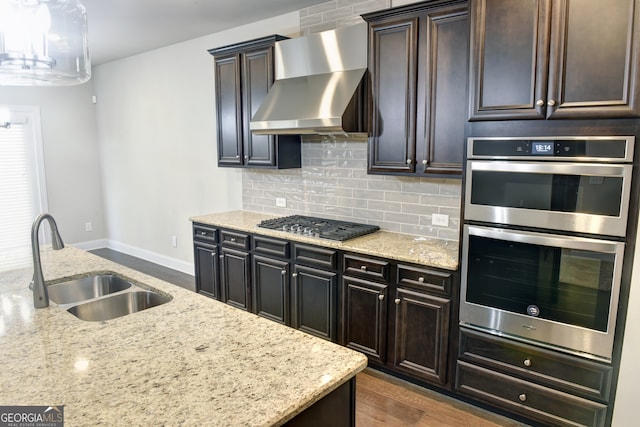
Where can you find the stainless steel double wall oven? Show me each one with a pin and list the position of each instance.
(543, 240)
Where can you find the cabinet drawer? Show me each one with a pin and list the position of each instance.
(205, 233)
(366, 267)
(425, 279)
(314, 256)
(271, 247)
(531, 400)
(561, 371)
(234, 239)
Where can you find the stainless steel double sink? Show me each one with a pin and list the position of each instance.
(103, 297)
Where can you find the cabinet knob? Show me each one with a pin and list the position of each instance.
(203, 233)
(409, 161)
(522, 397)
(397, 301)
(232, 240)
(246, 157)
(363, 268)
(213, 254)
(540, 102)
(221, 256)
(381, 297)
(424, 162)
(294, 275)
(421, 279)
(527, 362)
(551, 102)
(237, 156)
(283, 272)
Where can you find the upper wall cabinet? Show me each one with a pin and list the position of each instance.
(244, 72)
(537, 59)
(418, 68)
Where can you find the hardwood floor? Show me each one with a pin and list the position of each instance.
(381, 400)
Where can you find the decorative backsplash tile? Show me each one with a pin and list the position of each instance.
(336, 14)
(333, 183)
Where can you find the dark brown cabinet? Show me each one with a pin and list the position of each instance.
(206, 261)
(235, 269)
(543, 385)
(418, 67)
(244, 72)
(408, 333)
(271, 281)
(538, 59)
(422, 335)
(315, 291)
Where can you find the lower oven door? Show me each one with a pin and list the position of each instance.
(559, 291)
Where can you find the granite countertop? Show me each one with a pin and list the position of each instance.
(400, 247)
(191, 361)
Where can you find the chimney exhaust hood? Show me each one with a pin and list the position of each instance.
(319, 85)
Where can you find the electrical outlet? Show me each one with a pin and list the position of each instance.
(281, 202)
(440, 220)
(174, 241)
(88, 226)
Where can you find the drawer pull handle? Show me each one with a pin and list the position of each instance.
(397, 301)
(527, 362)
(421, 279)
(363, 268)
(381, 297)
(522, 397)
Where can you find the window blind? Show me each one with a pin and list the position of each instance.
(16, 205)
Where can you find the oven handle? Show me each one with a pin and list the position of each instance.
(544, 239)
(585, 169)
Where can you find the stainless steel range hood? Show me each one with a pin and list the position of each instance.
(319, 86)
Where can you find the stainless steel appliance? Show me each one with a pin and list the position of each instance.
(319, 227)
(543, 239)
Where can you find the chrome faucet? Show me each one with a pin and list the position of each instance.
(40, 294)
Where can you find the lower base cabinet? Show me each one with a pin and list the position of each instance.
(234, 281)
(408, 333)
(549, 387)
(315, 301)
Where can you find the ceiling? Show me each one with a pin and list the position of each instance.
(121, 28)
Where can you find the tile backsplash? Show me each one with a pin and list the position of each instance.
(336, 14)
(333, 183)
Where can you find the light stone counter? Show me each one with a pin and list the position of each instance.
(400, 247)
(192, 361)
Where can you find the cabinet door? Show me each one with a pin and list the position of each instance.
(229, 110)
(393, 53)
(315, 301)
(422, 335)
(594, 59)
(235, 278)
(257, 78)
(509, 59)
(365, 317)
(444, 55)
(271, 289)
(206, 263)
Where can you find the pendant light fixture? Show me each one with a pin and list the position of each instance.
(43, 43)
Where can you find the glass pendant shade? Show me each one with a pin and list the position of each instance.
(43, 43)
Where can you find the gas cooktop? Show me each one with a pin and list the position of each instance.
(319, 227)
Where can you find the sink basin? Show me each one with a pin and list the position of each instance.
(117, 305)
(86, 288)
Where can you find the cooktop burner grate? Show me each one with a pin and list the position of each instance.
(319, 227)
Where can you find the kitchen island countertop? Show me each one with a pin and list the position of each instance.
(422, 250)
(191, 361)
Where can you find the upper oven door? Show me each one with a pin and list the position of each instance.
(576, 197)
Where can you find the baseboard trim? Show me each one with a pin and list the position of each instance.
(169, 262)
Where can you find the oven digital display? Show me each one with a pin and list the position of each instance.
(542, 148)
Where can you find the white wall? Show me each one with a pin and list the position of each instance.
(625, 411)
(157, 133)
(70, 145)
